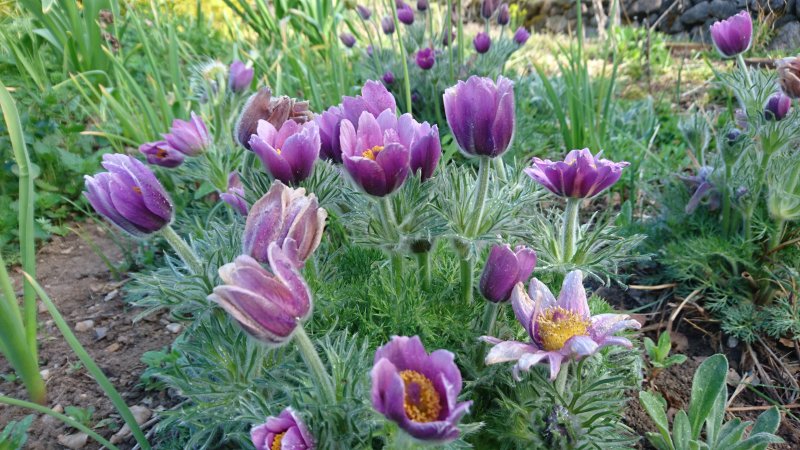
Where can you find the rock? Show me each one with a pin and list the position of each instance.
(788, 18)
(113, 347)
(141, 414)
(696, 14)
(58, 408)
(642, 7)
(84, 325)
(111, 295)
(733, 379)
(722, 9)
(786, 38)
(100, 333)
(174, 328)
(556, 24)
(73, 441)
(777, 5)
(45, 373)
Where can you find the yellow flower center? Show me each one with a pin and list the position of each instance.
(278, 151)
(557, 325)
(276, 443)
(372, 153)
(161, 153)
(137, 189)
(422, 402)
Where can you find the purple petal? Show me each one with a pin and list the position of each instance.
(573, 295)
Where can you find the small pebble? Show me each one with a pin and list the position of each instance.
(174, 328)
(84, 325)
(45, 373)
(100, 332)
(113, 347)
(111, 295)
(73, 441)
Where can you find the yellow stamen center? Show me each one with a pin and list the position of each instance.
(422, 402)
(137, 189)
(557, 325)
(372, 153)
(276, 442)
(278, 151)
(161, 153)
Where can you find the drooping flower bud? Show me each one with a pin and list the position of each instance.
(234, 196)
(275, 110)
(160, 153)
(521, 36)
(777, 106)
(347, 39)
(189, 137)
(239, 76)
(405, 15)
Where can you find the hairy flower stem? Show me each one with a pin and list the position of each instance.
(780, 227)
(314, 363)
(561, 380)
(500, 169)
(489, 318)
(424, 263)
(570, 231)
(745, 70)
(480, 196)
(726, 202)
(403, 57)
(183, 250)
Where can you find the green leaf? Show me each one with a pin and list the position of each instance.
(715, 418)
(657, 441)
(767, 423)
(731, 433)
(708, 381)
(675, 359)
(757, 441)
(655, 406)
(650, 347)
(681, 431)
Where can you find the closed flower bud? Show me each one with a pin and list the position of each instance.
(405, 15)
(189, 137)
(239, 76)
(275, 110)
(160, 153)
(387, 24)
(388, 77)
(521, 36)
(503, 15)
(347, 39)
(482, 42)
(422, 5)
(364, 12)
(777, 106)
(234, 196)
(487, 8)
(425, 58)
(480, 114)
(504, 269)
(789, 76)
(733, 35)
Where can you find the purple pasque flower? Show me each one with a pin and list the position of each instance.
(580, 175)
(480, 113)
(482, 42)
(426, 58)
(285, 432)
(364, 12)
(288, 154)
(558, 329)
(234, 196)
(328, 125)
(426, 148)
(287, 217)
(189, 137)
(405, 15)
(733, 35)
(239, 76)
(503, 15)
(129, 196)
(701, 187)
(388, 77)
(487, 8)
(160, 153)
(275, 110)
(374, 155)
(521, 36)
(422, 5)
(504, 269)
(418, 391)
(387, 24)
(374, 99)
(777, 106)
(267, 304)
(448, 37)
(347, 39)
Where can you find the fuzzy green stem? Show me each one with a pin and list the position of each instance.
(570, 231)
(403, 56)
(460, 34)
(449, 33)
(780, 227)
(424, 263)
(480, 196)
(561, 379)
(64, 418)
(466, 279)
(489, 318)
(726, 201)
(745, 70)
(91, 366)
(397, 277)
(183, 250)
(500, 169)
(314, 363)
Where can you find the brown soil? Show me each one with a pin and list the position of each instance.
(82, 287)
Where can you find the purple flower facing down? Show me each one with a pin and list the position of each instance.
(288, 154)
(129, 196)
(160, 153)
(777, 106)
(189, 137)
(347, 39)
(364, 12)
(405, 15)
(417, 390)
(425, 58)
(521, 36)
(558, 329)
(234, 196)
(239, 76)
(387, 24)
(487, 8)
(503, 15)
(375, 156)
(504, 269)
(480, 113)
(267, 305)
(701, 187)
(580, 175)
(285, 432)
(733, 35)
(422, 5)
(287, 217)
(388, 77)
(328, 124)
(482, 42)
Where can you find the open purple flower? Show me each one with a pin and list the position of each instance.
(521, 36)
(129, 196)
(482, 42)
(288, 154)
(285, 432)
(234, 196)
(374, 99)
(189, 137)
(777, 106)
(558, 329)
(347, 39)
(417, 390)
(480, 113)
(287, 217)
(580, 175)
(267, 305)
(160, 153)
(504, 269)
(405, 15)
(425, 58)
(239, 76)
(733, 35)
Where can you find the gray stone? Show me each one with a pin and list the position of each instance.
(641, 7)
(722, 9)
(777, 5)
(696, 14)
(557, 24)
(741, 4)
(787, 38)
(788, 18)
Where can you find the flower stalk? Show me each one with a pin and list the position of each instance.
(403, 57)
(185, 253)
(489, 317)
(480, 195)
(314, 363)
(424, 264)
(745, 70)
(467, 278)
(570, 232)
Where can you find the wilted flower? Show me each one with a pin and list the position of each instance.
(288, 154)
(482, 42)
(418, 391)
(348, 40)
(789, 76)
(189, 137)
(387, 23)
(521, 36)
(160, 153)
(405, 15)
(733, 35)
(422, 5)
(285, 432)
(580, 175)
(425, 58)
(239, 76)
(262, 106)
(267, 305)
(503, 15)
(701, 187)
(480, 113)
(388, 77)
(487, 8)
(777, 106)
(558, 330)
(234, 196)
(287, 217)
(504, 269)
(129, 196)
(364, 12)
